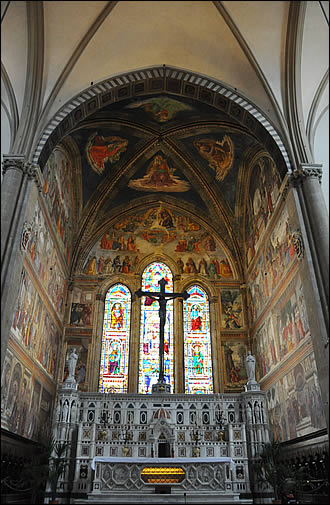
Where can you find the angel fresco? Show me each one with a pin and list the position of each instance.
(162, 109)
(159, 177)
(100, 149)
(219, 154)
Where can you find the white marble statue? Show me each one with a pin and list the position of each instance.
(250, 365)
(65, 412)
(72, 362)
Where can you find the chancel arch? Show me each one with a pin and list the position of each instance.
(162, 164)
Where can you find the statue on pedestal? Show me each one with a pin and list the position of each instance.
(250, 365)
(71, 362)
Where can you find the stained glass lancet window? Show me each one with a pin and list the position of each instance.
(115, 340)
(197, 343)
(149, 330)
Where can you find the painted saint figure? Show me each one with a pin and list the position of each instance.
(117, 316)
(198, 360)
(114, 359)
(196, 321)
(100, 149)
(159, 176)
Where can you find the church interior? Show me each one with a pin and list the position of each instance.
(183, 141)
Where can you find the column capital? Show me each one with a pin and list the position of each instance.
(306, 170)
(13, 162)
(18, 162)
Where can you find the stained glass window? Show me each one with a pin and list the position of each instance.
(197, 343)
(149, 330)
(115, 340)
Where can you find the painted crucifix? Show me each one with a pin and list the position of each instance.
(162, 298)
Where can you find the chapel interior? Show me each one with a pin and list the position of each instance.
(184, 141)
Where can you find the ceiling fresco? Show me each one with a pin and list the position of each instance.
(217, 152)
(104, 150)
(161, 112)
(156, 173)
(168, 149)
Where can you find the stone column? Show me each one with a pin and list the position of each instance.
(307, 180)
(15, 191)
(231, 441)
(314, 221)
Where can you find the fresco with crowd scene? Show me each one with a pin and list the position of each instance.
(294, 403)
(34, 327)
(276, 257)
(158, 230)
(25, 402)
(58, 194)
(283, 329)
(42, 254)
(264, 190)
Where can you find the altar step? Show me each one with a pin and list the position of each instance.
(168, 498)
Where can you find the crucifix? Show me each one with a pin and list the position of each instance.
(162, 298)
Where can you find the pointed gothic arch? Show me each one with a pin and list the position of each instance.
(156, 79)
(198, 368)
(113, 375)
